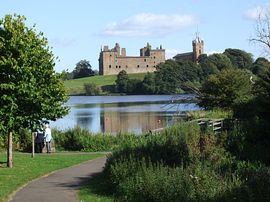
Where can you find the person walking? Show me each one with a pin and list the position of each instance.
(48, 138)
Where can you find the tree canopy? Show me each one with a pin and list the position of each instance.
(226, 89)
(239, 58)
(171, 76)
(260, 66)
(83, 69)
(122, 82)
(30, 89)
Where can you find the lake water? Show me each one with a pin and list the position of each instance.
(112, 114)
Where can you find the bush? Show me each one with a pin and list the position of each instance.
(79, 139)
(92, 89)
(172, 166)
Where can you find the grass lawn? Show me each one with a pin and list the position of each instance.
(95, 190)
(76, 86)
(27, 168)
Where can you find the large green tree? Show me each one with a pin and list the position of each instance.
(83, 69)
(260, 66)
(226, 89)
(148, 84)
(172, 76)
(30, 89)
(219, 60)
(122, 82)
(239, 58)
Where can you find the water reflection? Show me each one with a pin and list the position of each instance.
(105, 114)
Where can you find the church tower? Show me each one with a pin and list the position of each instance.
(198, 48)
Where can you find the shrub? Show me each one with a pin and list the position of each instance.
(92, 89)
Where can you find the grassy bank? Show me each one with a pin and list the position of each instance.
(27, 168)
(106, 83)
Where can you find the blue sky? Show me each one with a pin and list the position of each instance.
(76, 30)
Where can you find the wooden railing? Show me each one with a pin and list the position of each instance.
(217, 125)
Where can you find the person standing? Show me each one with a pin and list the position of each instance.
(48, 138)
(39, 140)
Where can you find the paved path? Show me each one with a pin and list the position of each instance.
(61, 186)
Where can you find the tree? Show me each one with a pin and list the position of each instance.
(92, 89)
(30, 90)
(134, 86)
(262, 30)
(219, 60)
(148, 84)
(239, 58)
(262, 91)
(83, 69)
(228, 88)
(208, 68)
(260, 67)
(171, 76)
(122, 82)
(66, 75)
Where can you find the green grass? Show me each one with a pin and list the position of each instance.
(26, 168)
(95, 190)
(211, 114)
(76, 86)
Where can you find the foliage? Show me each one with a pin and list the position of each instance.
(239, 58)
(171, 76)
(172, 166)
(134, 86)
(262, 91)
(226, 89)
(122, 82)
(211, 114)
(30, 90)
(82, 69)
(67, 75)
(208, 68)
(79, 139)
(92, 89)
(260, 66)
(148, 84)
(219, 60)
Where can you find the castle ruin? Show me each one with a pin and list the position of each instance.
(112, 61)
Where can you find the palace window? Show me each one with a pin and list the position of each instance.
(110, 66)
(138, 65)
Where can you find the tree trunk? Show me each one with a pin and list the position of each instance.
(9, 151)
(33, 145)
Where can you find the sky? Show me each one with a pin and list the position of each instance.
(76, 30)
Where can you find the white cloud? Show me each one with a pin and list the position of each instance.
(148, 24)
(259, 11)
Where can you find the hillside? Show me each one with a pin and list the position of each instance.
(106, 82)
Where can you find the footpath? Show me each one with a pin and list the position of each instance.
(60, 186)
